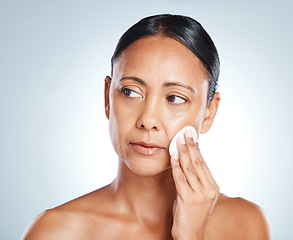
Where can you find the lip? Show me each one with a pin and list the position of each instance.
(146, 148)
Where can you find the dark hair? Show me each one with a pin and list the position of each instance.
(184, 29)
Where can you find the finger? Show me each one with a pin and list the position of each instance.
(199, 165)
(207, 173)
(210, 176)
(174, 207)
(186, 164)
(179, 178)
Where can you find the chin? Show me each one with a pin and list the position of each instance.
(148, 166)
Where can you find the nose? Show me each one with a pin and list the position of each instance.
(149, 118)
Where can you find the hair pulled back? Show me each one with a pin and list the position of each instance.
(184, 29)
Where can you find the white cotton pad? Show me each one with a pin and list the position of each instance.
(173, 145)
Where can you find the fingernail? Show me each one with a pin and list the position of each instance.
(182, 139)
(175, 159)
(191, 133)
(175, 156)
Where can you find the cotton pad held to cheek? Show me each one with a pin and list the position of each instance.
(173, 146)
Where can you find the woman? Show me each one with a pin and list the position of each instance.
(164, 76)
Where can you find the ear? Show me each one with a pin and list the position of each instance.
(106, 95)
(210, 113)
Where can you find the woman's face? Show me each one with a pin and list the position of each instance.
(158, 87)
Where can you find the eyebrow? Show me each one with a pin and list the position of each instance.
(134, 79)
(166, 84)
(170, 84)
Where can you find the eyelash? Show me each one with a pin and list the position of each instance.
(127, 92)
(175, 96)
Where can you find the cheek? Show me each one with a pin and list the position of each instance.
(174, 120)
(121, 122)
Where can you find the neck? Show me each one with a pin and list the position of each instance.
(147, 198)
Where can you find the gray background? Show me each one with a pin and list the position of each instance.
(54, 139)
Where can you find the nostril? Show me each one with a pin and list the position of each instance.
(142, 126)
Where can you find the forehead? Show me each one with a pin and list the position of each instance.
(159, 58)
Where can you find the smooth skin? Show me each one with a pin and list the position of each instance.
(158, 87)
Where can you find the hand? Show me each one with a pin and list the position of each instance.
(197, 191)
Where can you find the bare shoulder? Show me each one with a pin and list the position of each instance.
(72, 220)
(52, 224)
(243, 218)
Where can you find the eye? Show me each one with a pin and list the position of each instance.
(129, 93)
(176, 99)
